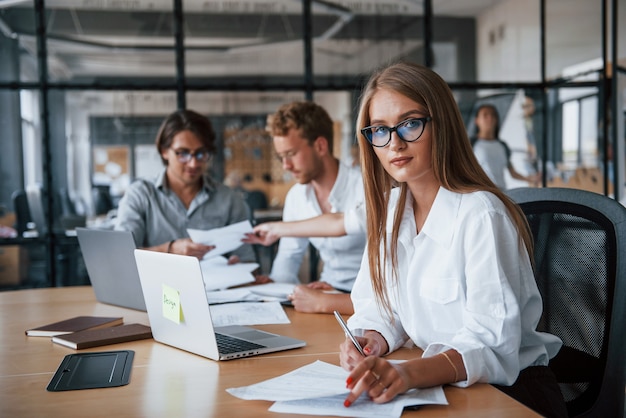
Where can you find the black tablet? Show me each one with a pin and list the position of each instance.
(93, 370)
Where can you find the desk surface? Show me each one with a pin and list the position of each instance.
(169, 382)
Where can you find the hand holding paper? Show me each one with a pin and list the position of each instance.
(224, 239)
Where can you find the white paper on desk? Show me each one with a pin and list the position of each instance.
(314, 380)
(240, 294)
(225, 239)
(248, 313)
(278, 290)
(363, 407)
(218, 274)
(320, 389)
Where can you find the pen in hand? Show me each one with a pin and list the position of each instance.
(348, 333)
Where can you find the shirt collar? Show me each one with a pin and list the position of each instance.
(440, 223)
(337, 194)
(208, 185)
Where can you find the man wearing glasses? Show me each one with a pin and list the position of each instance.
(182, 196)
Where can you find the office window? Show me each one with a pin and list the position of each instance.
(244, 39)
(88, 40)
(568, 20)
(17, 40)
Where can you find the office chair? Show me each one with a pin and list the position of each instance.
(256, 199)
(580, 269)
(22, 211)
(35, 196)
(101, 197)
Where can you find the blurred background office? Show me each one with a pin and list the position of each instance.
(84, 85)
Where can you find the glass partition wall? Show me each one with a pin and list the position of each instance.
(85, 85)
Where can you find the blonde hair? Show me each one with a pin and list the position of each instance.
(453, 162)
(309, 118)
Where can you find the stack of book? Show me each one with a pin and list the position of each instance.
(91, 331)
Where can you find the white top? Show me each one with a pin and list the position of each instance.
(354, 220)
(341, 255)
(492, 157)
(465, 282)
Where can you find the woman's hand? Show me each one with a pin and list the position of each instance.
(266, 234)
(380, 379)
(373, 344)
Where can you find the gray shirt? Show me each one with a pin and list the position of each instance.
(155, 214)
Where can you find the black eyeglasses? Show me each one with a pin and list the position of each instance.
(409, 130)
(184, 155)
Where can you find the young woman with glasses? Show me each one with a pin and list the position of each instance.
(448, 261)
(182, 196)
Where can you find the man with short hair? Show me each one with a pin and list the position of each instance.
(303, 140)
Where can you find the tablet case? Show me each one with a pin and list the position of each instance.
(93, 370)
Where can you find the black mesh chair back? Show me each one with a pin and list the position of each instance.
(579, 268)
(22, 211)
(256, 199)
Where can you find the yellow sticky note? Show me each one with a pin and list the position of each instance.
(171, 304)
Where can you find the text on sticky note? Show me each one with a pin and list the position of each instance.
(171, 304)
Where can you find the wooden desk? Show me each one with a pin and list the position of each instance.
(167, 382)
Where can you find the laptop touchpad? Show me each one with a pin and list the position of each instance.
(253, 335)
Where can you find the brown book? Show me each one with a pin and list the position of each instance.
(104, 336)
(78, 323)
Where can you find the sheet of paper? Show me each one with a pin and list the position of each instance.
(248, 313)
(240, 294)
(279, 290)
(333, 406)
(218, 274)
(225, 239)
(320, 389)
(363, 407)
(314, 380)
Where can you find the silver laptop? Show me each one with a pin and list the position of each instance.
(180, 316)
(111, 267)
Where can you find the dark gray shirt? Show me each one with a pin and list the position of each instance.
(155, 214)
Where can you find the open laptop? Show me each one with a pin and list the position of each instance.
(180, 316)
(111, 267)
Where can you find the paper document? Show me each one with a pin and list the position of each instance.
(224, 239)
(362, 408)
(320, 389)
(239, 294)
(248, 313)
(218, 274)
(278, 290)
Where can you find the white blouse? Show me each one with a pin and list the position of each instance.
(464, 282)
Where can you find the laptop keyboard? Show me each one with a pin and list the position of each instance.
(228, 344)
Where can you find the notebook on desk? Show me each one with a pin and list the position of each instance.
(111, 267)
(180, 316)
